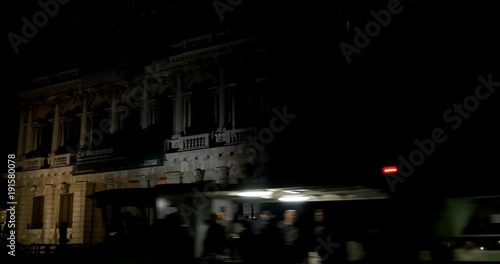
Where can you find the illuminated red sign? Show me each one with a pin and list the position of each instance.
(390, 170)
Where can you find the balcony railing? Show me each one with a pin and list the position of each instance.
(34, 163)
(61, 160)
(189, 142)
(228, 137)
(39, 162)
(237, 136)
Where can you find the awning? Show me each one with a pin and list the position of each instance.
(145, 197)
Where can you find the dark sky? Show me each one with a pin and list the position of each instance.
(352, 118)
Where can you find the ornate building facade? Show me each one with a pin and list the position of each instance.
(184, 120)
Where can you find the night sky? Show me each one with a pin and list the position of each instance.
(352, 118)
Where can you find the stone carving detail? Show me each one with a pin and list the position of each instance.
(198, 175)
(64, 187)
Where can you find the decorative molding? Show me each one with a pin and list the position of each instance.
(190, 56)
(34, 190)
(52, 90)
(64, 187)
(198, 175)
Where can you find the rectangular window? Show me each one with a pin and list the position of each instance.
(251, 210)
(37, 213)
(66, 209)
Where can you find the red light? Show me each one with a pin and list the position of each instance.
(390, 170)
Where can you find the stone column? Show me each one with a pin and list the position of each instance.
(233, 109)
(83, 127)
(145, 109)
(23, 213)
(49, 214)
(187, 113)
(114, 114)
(28, 140)
(90, 128)
(153, 112)
(21, 140)
(79, 220)
(222, 100)
(178, 108)
(28, 146)
(55, 134)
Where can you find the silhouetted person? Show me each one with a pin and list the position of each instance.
(178, 240)
(258, 243)
(215, 241)
(160, 235)
(326, 240)
(272, 243)
(260, 223)
(289, 231)
(247, 239)
(63, 233)
(235, 228)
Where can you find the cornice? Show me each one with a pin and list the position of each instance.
(52, 90)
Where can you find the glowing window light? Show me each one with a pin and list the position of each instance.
(254, 194)
(293, 198)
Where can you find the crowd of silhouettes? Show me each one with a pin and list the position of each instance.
(289, 237)
(273, 238)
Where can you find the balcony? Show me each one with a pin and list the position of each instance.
(33, 163)
(237, 136)
(194, 43)
(189, 142)
(228, 137)
(61, 160)
(38, 163)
